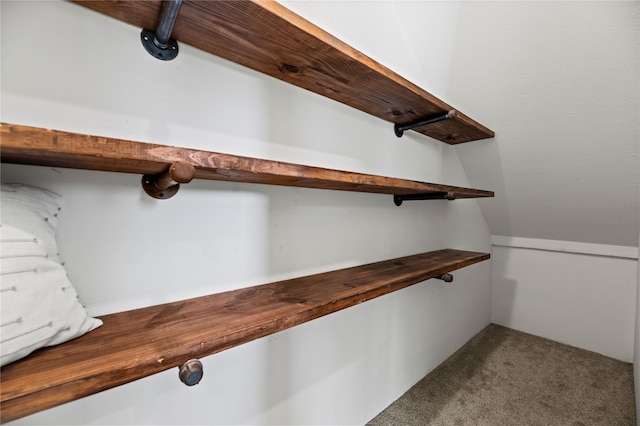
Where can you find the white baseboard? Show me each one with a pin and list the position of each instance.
(625, 252)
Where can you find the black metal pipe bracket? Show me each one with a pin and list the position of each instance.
(159, 44)
(398, 199)
(191, 372)
(399, 129)
(447, 278)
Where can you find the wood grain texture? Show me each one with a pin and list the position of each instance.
(36, 146)
(267, 37)
(134, 344)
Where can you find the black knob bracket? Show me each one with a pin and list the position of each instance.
(191, 372)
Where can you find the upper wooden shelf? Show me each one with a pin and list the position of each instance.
(37, 146)
(135, 344)
(269, 38)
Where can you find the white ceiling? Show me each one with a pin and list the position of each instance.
(557, 81)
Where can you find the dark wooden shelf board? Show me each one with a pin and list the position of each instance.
(36, 146)
(135, 344)
(269, 38)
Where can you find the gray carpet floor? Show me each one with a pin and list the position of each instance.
(506, 377)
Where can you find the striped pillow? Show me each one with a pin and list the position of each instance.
(39, 305)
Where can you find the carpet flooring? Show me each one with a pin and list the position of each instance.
(507, 377)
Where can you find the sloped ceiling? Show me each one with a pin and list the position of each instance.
(557, 81)
(561, 81)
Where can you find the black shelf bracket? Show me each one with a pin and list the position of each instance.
(159, 44)
(398, 199)
(191, 372)
(447, 278)
(399, 129)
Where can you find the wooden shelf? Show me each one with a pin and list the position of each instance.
(135, 344)
(267, 37)
(36, 146)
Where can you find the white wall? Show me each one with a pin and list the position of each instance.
(583, 295)
(68, 68)
(636, 354)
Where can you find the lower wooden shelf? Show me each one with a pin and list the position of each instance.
(135, 344)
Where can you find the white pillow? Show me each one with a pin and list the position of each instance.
(39, 305)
